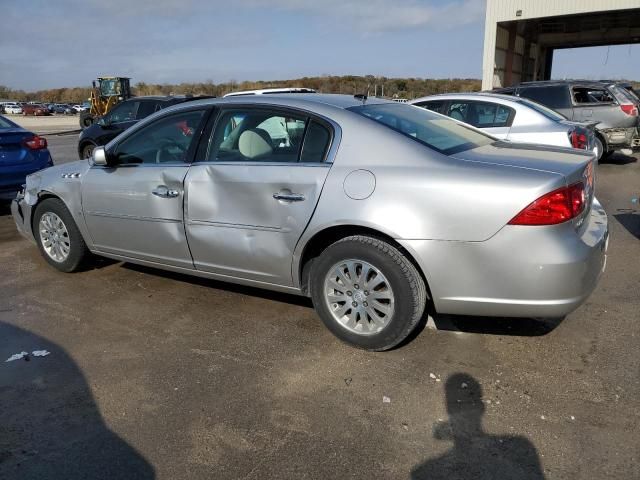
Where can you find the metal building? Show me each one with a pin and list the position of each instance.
(521, 35)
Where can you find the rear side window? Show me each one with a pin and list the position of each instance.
(552, 96)
(481, 114)
(316, 143)
(423, 126)
(264, 135)
(434, 106)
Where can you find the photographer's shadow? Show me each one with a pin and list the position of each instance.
(50, 425)
(476, 454)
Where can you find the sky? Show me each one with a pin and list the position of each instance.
(64, 43)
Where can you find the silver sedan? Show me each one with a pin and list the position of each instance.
(514, 119)
(372, 208)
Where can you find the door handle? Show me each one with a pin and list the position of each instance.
(163, 191)
(289, 197)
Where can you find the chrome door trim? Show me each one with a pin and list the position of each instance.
(237, 225)
(133, 217)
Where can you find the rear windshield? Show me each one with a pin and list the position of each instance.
(4, 123)
(435, 131)
(547, 112)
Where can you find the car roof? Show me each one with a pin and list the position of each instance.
(544, 83)
(263, 91)
(296, 100)
(469, 95)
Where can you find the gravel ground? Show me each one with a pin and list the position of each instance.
(157, 375)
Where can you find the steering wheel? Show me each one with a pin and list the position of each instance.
(164, 155)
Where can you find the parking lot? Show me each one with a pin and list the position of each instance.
(157, 375)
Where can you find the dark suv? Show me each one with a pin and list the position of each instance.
(587, 101)
(121, 117)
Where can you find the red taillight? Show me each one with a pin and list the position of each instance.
(579, 140)
(35, 143)
(630, 109)
(555, 207)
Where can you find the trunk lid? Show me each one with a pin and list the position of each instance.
(12, 151)
(574, 165)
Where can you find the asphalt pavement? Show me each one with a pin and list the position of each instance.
(157, 375)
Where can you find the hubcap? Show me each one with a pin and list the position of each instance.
(54, 237)
(359, 296)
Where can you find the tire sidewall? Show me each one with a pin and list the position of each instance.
(84, 149)
(76, 251)
(404, 306)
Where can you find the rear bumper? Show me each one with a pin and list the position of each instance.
(21, 212)
(619, 137)
(520, 272)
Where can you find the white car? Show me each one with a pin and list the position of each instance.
(78, 108)
(514, 119)
(269, 91)
(12, 109)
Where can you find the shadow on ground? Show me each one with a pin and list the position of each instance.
(50, 425)
(476, 454)
(630, 221)
(525, 327)
(618, 159)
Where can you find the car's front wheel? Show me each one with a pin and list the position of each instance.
(87, 150)
(57, 235)
(367, 292)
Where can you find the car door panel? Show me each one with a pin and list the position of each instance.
(125, 217)
(236, 227)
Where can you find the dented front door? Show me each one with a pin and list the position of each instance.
(244, 220)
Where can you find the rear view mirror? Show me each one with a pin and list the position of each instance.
(99, 157)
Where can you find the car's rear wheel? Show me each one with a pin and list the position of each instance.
(367, 292)
(57, 235)
(599, 149)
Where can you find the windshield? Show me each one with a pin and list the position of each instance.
(109, 87)
(435, 131)
(547, 112)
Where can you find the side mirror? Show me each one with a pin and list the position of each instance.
(99, 157)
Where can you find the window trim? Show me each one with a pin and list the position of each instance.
(335, 134)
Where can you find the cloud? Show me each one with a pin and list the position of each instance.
(379, 16)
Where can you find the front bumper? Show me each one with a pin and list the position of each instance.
(21, 212)
(519, 272)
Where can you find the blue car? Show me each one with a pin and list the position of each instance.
(21, 153)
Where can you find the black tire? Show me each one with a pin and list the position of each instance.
(87, 150)
(86, 120)
(78, 251)
(405, 281)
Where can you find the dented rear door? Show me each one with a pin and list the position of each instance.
(244, 220)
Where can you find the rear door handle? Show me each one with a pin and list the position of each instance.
(163, 191)
(289, 197)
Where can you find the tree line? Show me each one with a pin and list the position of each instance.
(347, 84)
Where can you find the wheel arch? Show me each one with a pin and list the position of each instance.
(325, 237)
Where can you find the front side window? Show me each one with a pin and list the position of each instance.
(146, 108)
(434, 106)
(125, 112)
(261, 135)
(423, 126)
(166, 140)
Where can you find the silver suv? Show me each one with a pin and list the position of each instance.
(587, 101)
